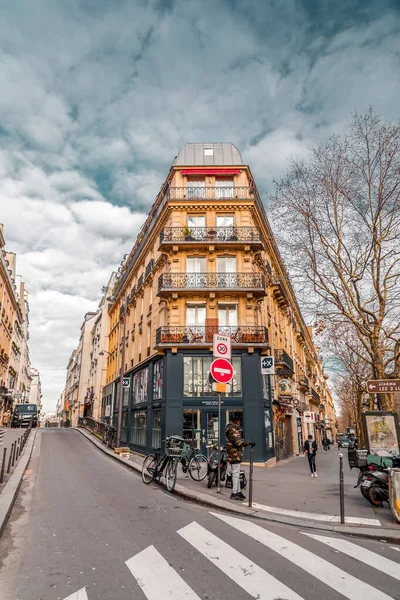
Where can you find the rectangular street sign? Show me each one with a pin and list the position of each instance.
(127, 382)
(383, 386)
(267, 365)
(221, 346)
(221, 388)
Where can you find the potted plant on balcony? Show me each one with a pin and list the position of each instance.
(187, 232)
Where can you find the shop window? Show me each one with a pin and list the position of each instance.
(140, 386)
(158, 380)
(156, 429)
(191, 426)
(138, 429)
(196, 372)
(125, 396)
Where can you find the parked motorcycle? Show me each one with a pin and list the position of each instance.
(212, 471)
(374, 485)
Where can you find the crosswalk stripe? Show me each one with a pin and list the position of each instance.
(157, 579)
(79, 595)
(249, 576)
(339, 580)
(390, 567)
(315, 516)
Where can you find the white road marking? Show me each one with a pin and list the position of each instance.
(157, 579)
(390, 567)
(339, 580)
(244, 572)
(395, 548)
(80, 595)
(315, 516)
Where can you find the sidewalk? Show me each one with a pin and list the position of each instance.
(10, 436)
(285, 487)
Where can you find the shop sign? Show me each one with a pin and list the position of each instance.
(285, 387)
(267, 365)
(210, 402)
(309, 417)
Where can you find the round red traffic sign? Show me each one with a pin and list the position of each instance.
(221, 370)
(222, 348)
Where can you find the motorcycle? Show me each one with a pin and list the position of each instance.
(212, 469)
(375, 485)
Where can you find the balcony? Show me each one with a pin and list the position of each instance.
(283, 362)
(149, 268)
(209, 193)
(203, 335)
(280, 293)
(315, 396)
(217, 282)
(229, 236)
(304, 383)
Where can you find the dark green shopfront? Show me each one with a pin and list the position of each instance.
(172, 394)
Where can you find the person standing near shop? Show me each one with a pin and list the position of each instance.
(234, 450)
(310, 448)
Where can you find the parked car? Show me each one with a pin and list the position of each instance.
(24, 414)
(344, 442)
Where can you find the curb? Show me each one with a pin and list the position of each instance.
(388, 535)
(11, 489)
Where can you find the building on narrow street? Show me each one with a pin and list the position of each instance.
(206, 261)
(35, 396)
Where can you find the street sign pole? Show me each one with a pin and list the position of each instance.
(219, 446)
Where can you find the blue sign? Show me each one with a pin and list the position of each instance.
(267, 365)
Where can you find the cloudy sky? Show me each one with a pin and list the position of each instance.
(97, 97)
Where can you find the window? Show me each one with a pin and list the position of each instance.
(125, 396)
(227, 315)
(158, 381)
(226, 264)
(195, 315)
(138, 429)
(140, 384)
(196, 188)
(208, 151)
(156, 429)
(225, 220)
(196, 380)
(191, 426)
(224, 188)
(196, 221)
(195, 265)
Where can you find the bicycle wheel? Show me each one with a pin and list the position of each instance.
(149, 468)
(170, 474)
(198, 467)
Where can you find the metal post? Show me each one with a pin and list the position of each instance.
(251, 478)
(121, 380)
(15, 450)
(9, 460)
(341, 484)
(219, 446)
(3, 465)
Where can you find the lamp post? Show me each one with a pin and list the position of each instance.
(121, 375)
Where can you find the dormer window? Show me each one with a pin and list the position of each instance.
(208, 151)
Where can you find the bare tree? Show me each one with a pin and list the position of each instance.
(337, 217)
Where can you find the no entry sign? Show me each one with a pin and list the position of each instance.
(221, 370)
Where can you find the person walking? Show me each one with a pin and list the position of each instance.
(310, 448)
(234, 450)
(6, 418)
(325, 444)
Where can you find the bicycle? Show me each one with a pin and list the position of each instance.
(110, 436)
(154, 465)
(194, 462)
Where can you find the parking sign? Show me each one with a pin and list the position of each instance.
(221, 346)
(267, 365)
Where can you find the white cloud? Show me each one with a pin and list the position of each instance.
(98, 97)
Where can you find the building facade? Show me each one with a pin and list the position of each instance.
(35, 396)
(206, 261)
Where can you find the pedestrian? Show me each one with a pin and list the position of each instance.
(325, 443)
(234, 450)
(6, 418)
(310, 448)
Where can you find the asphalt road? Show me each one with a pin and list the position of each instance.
(85, 527)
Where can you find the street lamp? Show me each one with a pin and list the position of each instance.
(121, 376)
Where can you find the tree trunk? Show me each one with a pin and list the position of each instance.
(385, 401)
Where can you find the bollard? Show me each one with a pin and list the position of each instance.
(17, 452)
(9, 460)
(341, 484)
(14, 453)
(251, 478)
(3, 464)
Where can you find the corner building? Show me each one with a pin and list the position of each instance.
(206, 261)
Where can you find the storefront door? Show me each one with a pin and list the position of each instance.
(209, 430)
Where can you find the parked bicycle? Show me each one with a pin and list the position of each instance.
(110, 436)
(155, 465)
(194, 462)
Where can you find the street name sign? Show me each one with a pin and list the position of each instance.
(221, 370)
(267, 365)
(221, 346)
(126, 382)
(383, 386)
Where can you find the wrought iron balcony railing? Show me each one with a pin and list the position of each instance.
(211, 234)
(149, 268)
(304, 383)
(209, 193)
(198, 281)
(197, 335)
(282, 359)
(315, 395)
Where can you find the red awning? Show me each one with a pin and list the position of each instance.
(211, 171)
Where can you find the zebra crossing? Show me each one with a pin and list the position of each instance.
(158, 580)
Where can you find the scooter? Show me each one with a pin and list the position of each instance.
(375, 485)
(212, 470)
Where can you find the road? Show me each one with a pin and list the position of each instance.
(84, 527)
